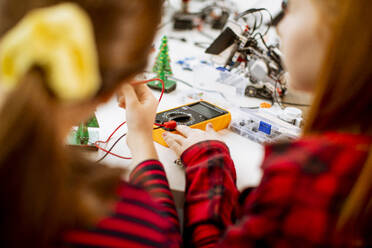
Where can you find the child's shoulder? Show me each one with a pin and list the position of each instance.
(315, 154)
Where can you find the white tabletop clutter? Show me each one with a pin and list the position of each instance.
(197, 79)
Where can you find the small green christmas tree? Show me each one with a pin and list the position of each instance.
(82, 134)
(163, 68)
(85, 135)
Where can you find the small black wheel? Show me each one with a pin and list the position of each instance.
(266, 93)
(251, 91)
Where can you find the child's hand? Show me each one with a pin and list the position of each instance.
(189, 137)
(140, 105)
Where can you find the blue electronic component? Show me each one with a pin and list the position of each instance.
(186, 63)
(265, 127)
(221, 68)
(255, 125)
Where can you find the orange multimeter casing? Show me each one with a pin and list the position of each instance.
(195, 115)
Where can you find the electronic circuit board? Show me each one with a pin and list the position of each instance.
(85, 136)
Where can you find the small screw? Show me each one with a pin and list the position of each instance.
(179, 163)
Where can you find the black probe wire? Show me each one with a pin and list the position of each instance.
(206, 35)
(296, 104)
(262, 39)
(252, 11)
(113, 146)
(271, 20)
(202, 45)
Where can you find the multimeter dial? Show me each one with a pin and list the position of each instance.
(191, 114)
(180, 117)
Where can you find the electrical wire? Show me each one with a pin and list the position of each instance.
(197, 88)
(296, 104)
(275, 95)
(183, 82)
(205, 34)
(250, 107)
(262, 39)
(113, 146)
(202, 45)
(122, 124)
(255, 26)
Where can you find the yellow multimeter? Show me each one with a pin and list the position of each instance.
(195, 115)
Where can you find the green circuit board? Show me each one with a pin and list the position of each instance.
(85, 135)
(169, 85)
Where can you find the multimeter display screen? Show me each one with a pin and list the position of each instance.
(208, 112)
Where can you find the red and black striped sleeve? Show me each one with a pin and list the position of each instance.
(150, 176)
(137, 221)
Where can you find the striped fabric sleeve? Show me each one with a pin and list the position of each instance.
(150, 175)
(137, 221)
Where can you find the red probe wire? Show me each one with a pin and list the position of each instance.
(170, 125)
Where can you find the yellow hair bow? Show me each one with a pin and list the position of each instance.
(60, 40)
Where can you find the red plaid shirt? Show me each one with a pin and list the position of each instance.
(296, 204)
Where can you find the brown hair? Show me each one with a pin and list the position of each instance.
(46, 188)
(343, 99)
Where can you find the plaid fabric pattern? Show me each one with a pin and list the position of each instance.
(210, 192)
(297, 203)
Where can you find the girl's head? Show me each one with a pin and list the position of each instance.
(327, 50)
(123, 33)
(327, 46)
(45, 188)
(304, 35)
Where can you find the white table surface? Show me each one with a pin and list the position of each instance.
(247, 155)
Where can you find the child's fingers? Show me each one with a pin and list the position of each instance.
(210, 128)
(130, 95)
(177, 138)
(184, 130)
(143, 93)
(173, 144)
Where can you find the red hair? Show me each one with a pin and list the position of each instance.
(343, 98)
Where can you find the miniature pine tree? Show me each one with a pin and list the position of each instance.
(163, 68)
(162, 63)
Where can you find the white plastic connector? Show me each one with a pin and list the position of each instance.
(292, 115)
(259, 70)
